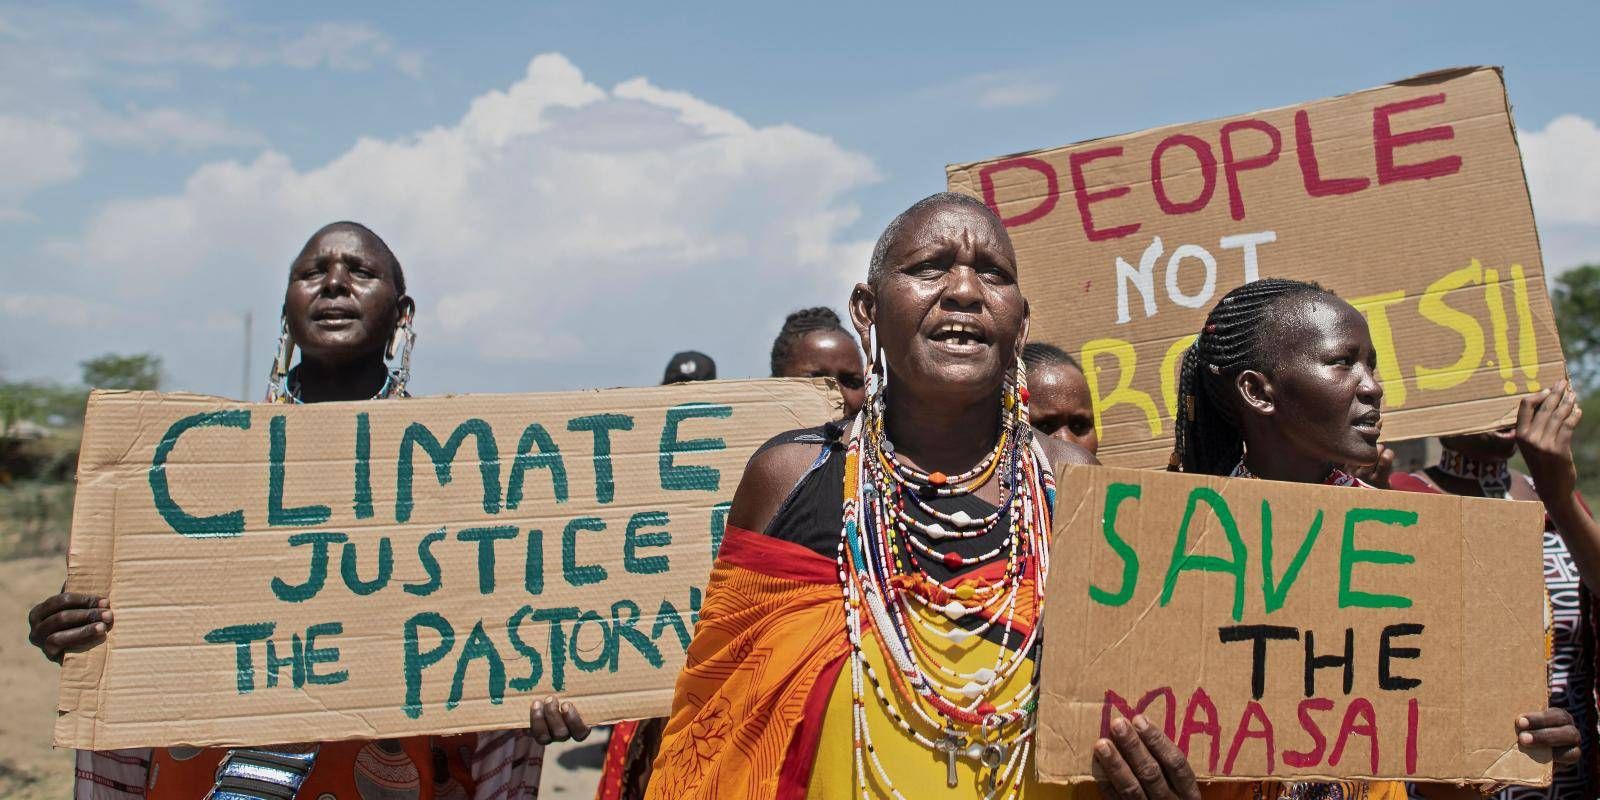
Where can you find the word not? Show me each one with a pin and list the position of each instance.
(1257, 737)
(1246, 145)
(1274, 587)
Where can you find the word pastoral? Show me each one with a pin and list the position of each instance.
(1408, 200)
(378, 569)
(1291, 630)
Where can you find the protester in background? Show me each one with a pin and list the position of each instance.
(347, 311)
(1282, 384)
(1058, 396)
(1476, 465)
(690, 365)
(813, 344)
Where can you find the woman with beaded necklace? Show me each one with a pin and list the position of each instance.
(869, 629)
(1282, 384)
(347, 310)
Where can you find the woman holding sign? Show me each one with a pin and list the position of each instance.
(1281, 384)
(347, 311)
(870, 626)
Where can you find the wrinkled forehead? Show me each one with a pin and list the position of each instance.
(341, 239)
(952, 224)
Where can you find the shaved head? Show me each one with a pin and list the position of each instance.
(880, 253)
(373, 240)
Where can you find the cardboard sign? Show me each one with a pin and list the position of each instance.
(1295, 631)
(1408, 200)
(380, 569)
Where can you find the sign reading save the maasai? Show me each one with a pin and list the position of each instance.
(1291, 630)
(378, 569)
(1408, 200)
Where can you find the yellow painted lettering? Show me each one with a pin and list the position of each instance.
(1124, 392)
(1169, 373)
(1433, 308)
(1376, 309)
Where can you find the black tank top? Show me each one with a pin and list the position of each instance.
(813, 514)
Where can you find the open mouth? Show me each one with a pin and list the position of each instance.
(1369, 424)
(960, 336)
(335, 316)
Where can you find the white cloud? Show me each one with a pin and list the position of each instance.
(558, 234)
(1016, 95)
(34, 154)
(346, 46)
(54, 308)
(158, 128)
(1563, 166)
(1562, 163)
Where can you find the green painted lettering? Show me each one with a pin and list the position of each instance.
(1115, 494)
(1182, 560)
(692, 477)
(229, 523)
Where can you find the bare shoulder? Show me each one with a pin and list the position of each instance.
(768, 477)
(1060, 452)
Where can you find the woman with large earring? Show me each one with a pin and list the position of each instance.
(347, 313)
(870, 627)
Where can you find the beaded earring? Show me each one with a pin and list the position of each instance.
(277, 380)
(404, 338)
(877, 370)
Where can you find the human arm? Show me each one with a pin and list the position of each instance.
(552, 720)
(67, 622)
(1545, 422)
(1138, 762)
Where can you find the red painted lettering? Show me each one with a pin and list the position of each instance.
(1232, 166)
(1310, 174)
(1411, 737)
(1080, 190)
(1046, 203)
(1319, 743)
(1252, 711)
(1208, 173)
(1359, 706)
(1114, 700)
(1385, 141)
(1200, 701)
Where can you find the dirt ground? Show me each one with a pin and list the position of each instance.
(31, 770)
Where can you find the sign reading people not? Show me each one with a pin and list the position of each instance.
(1284, 630)
(363, 570)
(1408, 200)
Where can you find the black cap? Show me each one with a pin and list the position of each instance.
(690, 365)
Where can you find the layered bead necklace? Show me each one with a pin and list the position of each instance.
(957, 714)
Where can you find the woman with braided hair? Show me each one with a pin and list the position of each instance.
(814, 344)
(1282, 384)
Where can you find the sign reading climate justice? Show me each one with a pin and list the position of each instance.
(1408, 200)
(356, 570)
(1291, 630)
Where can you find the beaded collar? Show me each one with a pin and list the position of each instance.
(1493, 477)
(1337, 477)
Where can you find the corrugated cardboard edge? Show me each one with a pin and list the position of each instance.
(92, 548)
(1511, 765)
(1488, 617)
(964, 183)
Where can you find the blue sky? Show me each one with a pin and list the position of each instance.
(566, 225)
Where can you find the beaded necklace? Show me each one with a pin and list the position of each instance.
(955, 713)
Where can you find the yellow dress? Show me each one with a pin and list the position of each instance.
(918, 772)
